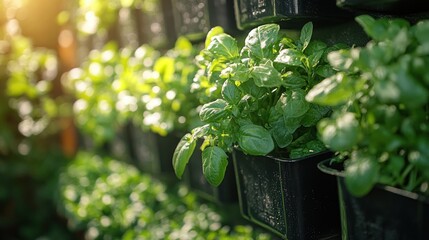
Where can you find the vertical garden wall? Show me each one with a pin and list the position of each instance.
(199, 119)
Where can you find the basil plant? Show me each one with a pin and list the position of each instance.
(380, 97)
(257, 97)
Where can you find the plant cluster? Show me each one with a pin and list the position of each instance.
(112, 200)
(260, 90)
(98, 15)
(169, 104)
(380, 98)
(151, 90)
(105, 87)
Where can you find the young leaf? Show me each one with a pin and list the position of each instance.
(341, 133)
(255, 140)
(332, 91)
(230, 92)
(236, 72)
(165, 67)
(184, 46)
(223, 46)
(260, 40)
(213, 111)
(306, 33)
(266, 76)
(281, 133)
(183, 153)
(290, 57)
(292, 80)
(361, 174)
(294, 103)
(213, 32)
(215, 162)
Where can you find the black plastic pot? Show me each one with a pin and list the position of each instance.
(386, 6)
(251, 13)
(225, 193)
(194, 18)
(289, 197)
(385, 213)
(153, 153)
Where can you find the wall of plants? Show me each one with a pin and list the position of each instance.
(310, 118)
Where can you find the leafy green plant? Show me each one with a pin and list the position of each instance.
(94, 16)
(108, 87)
(380, 97)
(169, 103)
(261, 105)
(112, 200)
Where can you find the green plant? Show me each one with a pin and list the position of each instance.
(112, 200)
(97, 16)
(380, 97)
(261, 105)
(108, 88)
(169, 103)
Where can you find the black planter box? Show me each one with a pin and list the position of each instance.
(153, 153)
(251, 13)
(194, 18)
(386, 6)
(385, 213)
(289, 197)
(225, 193)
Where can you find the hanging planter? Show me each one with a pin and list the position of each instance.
(384, 213)
(289, 197)
(194, 18)
(255, 12)
(152, 153)
(383, 6)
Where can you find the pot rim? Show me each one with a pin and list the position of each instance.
(339, 173)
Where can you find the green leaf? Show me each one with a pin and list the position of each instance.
(255, 140)
(230, 92)
(306, 33)
(215, 162)
(340, 133)
(281, 133)
(261, 39)
(294, 103)
(165, 67)
(250, 88)
(361, 174)
(184, 46)
(293, 80)
(376, 29)
(332, 91)
(266, 76)
(213, 32)
(325, 70)
(236, 72)
(290, 57)
(341, 59)
(314, 114)
(214, 111)
(183, 153)
(223, 47)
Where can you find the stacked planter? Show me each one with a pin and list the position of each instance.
(290, 197)
(385, 213)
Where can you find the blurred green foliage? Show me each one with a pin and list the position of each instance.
(112, 200)
(115, 85)
(107, 89)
